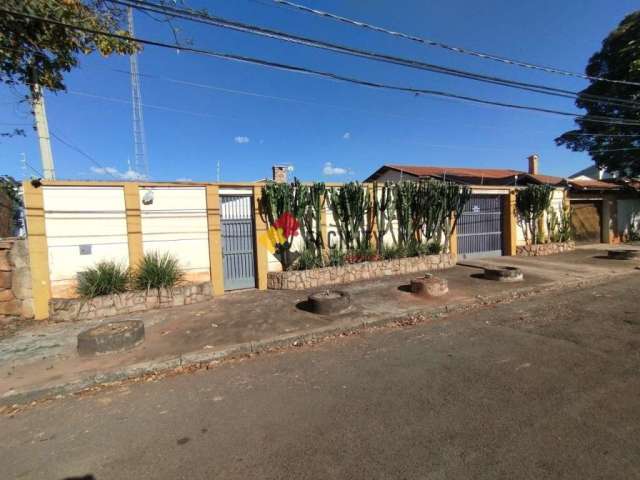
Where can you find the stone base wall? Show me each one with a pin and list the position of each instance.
(76, 309)
(16, 299)
(544, 249)
(303, 279)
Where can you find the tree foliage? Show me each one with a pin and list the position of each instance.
(10, 187)
(35, 52)
(619, 59)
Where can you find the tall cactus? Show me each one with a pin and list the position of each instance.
(383, 211)
(350, 205)
(424, 210)
(315, 200)
(403, 194)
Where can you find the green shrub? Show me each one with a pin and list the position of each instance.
(104, 278)
(336, 258)
(433, 248)
(308, 259)
(157, 271)
(390, 252)
(361, 254)
(415, 249)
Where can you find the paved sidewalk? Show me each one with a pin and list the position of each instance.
(42, 360)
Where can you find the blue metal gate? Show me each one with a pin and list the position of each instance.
(480, 227)
(237, 242)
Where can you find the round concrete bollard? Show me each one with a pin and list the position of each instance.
(503, 274)
(624, 254)
(429, 286)
(111, 337)
(328, 302)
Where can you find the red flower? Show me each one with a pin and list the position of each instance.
(288, 224)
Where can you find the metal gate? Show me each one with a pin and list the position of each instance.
(480, 227)
(237, 242)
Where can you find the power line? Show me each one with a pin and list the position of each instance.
(147, 105)
(200, 17)
(614, 150)
(329, 75)
(451, 48)
(17, 124)
(38, 172)
(83, 153)
(309, 102)
(281, 98)
(637, 135)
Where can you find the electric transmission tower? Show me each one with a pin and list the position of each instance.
(140, 163)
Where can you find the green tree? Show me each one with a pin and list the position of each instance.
(619, 59)
(34, 52)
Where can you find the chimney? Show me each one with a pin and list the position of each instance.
(280, 173)
(533, 164)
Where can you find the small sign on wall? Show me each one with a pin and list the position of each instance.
(476, 209)
(85, 249)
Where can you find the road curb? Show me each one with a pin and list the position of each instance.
(208, 355)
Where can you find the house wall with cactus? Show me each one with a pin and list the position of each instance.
(559, 204)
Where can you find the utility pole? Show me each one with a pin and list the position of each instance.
(42, 127)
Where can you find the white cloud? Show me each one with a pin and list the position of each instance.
(104, 170)
(132, 175)
(114, 172)
(329, 170)
(184, 179)
(241, 139)
(347, 135)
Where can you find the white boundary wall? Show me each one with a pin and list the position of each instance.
(176, 223)
(90, 220)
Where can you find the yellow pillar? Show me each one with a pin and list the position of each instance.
(134, 223)
(260, 226)
(510, 221)
(38, 250)
(215, 239)
(324, 227)
(606, 222)
(371, 220)
(453, 240)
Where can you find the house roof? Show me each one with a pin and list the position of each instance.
(593, 184)
(431, 171)
(546, 179)
(487, 176)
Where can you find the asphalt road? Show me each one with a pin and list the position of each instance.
(542, 388)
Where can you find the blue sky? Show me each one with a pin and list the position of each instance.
(315, 123)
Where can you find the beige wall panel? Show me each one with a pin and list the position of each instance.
(91, 217)
(176, 222)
